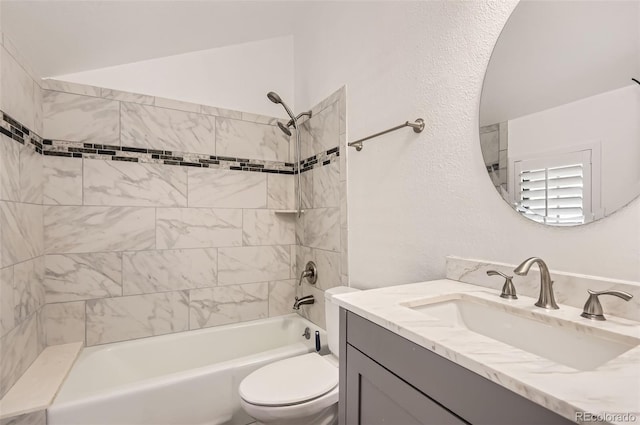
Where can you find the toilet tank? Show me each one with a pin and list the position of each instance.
(332, 316)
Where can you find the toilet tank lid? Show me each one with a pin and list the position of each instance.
(329, 293)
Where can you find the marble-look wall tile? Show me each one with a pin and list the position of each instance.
(328, 264)
(178, 105)
(98, 229)
(146, 126)
(38, 103)
(220, 112)
(253, 264)
(127, 97)
(28, 292)
(137, 316)
(7, 304)
(243, 139)
(30, 175)
(570, 289)
(260, 119)
(16, 87)
(227, 189)
(313, 312)
(62, 181)
(322, 228)
(329, 100)
(320, 133)
(34, 418)
(342, 111)
(304, 254)
(74, 277)
(326, 186)
(306, 181)
(265, 227)
(281, 192)
(68, 87)
(281, 297)
(198, 227)
(18, 349)
(344, 255)
(228, 304)
(21, 236)
(9, 169)
(64, 322)
(169, 270)
(81, 118)
(118, 183)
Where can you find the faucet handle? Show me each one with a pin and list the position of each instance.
(508, 289)
(593, 309)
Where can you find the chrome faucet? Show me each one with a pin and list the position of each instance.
(545, 299)
(308, 300)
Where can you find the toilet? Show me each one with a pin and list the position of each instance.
(302, 389)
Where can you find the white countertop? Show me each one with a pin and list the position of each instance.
(612, 387)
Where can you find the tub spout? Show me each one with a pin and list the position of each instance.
(308, 300)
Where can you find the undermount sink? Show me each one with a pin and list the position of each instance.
(566, 344)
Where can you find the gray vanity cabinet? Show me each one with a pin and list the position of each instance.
(386, 379)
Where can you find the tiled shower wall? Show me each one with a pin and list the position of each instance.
(21, 240)
(322, 232)
(160, 217)
(153, 221)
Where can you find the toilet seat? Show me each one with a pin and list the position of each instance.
(290, 381)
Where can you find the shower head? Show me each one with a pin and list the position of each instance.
(284, 129)
(273, 96)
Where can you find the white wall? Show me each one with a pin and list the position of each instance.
(234, 77)
(591, 46)
(610, 119)
(415, 198)
(61, 37)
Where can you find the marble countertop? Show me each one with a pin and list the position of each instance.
(613, 387)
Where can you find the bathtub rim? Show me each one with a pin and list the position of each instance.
(295, 348)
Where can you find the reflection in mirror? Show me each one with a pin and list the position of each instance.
(560, 113)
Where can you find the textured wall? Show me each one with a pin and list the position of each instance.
(413, 199)
(21, 240)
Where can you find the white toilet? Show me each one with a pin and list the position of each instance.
(302, 389)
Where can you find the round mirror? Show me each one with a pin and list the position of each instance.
(560, 110)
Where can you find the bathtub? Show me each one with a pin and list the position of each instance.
(188, 378)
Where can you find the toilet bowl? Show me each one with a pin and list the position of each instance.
(298, 390)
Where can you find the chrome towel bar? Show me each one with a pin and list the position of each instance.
(417, 126)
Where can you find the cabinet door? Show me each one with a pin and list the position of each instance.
(376, 396)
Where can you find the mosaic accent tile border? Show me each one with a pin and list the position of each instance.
(13, 129)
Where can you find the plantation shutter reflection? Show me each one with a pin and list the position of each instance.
(555, 194)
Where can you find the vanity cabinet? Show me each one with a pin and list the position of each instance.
(387, 379)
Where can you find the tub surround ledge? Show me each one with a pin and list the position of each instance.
(609, 388)
(38, 386)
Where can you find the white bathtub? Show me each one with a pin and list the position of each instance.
(188, 378)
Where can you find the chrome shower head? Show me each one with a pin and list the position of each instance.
(273, 96)
(284, 129)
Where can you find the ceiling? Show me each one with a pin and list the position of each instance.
(61, 37)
